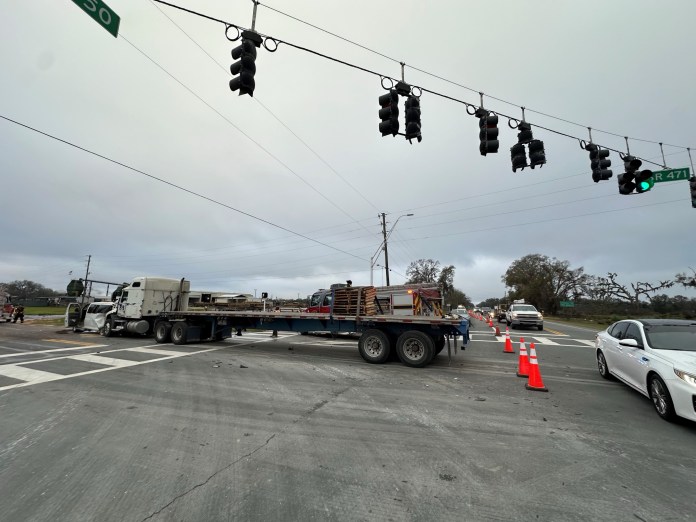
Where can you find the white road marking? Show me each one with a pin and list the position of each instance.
(32, 352)
(153, 350)
(25, 374)
(98, 359)
(544, 340)
(585, 341)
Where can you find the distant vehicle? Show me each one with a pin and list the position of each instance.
(500, 312)
(6, 308)
(524, 315)
(657, 357)
(90, 316)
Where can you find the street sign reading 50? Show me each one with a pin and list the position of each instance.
(101, 13)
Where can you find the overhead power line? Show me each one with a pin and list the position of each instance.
(179, 187)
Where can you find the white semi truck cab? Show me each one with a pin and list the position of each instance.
(142, 301)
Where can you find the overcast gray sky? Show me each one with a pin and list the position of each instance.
(154, 100)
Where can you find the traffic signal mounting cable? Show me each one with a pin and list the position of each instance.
(512, 121)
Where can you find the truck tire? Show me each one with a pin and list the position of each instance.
(163, 332)
(374, 346)
(178, 333)
(415, 348)
(108, 329)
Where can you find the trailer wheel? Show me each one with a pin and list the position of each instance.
(415, 348)
(163, 331)
(374, 346)
(179, 330)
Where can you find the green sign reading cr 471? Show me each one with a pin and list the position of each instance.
(671, 175)
(101, 13)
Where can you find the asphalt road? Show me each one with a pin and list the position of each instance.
(300, 428)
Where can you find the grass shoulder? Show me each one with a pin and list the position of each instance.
(599, 324)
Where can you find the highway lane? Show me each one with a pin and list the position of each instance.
(301, 428)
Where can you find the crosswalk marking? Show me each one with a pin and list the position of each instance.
(585, 341)
(52, 350)
(25, 374)
(544, 340)
(156, 351)
(98, 359)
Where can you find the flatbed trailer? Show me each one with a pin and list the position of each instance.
(416, 340)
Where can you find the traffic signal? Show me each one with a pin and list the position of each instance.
(627, 180)
(537, 156)
(244, 69)
(488, 133)
(413, 121)
(519, 157)
(525, 134)
(644, 181)
(389, 113)
(599, 162)
(692, 188)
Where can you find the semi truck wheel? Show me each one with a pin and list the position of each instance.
(374, 346)
(163, 331)
(108, 329)
(178, 332)
(415, 348)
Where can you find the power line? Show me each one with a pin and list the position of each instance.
(264, 106)
(255, 142)
(179, 187)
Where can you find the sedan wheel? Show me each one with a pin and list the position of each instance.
(602, 366)
(661, 398)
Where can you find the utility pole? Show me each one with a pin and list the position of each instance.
(84, 291)
(386, 255)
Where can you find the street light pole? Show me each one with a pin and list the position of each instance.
(383, 246)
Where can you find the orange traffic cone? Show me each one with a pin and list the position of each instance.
(534, 383)
(523, 365)
(497, 331)
(490, 322)
(508, 342)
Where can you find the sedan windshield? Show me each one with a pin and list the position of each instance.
(672, 337)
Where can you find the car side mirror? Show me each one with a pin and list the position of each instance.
(631, 343)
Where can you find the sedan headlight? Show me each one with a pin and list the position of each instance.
(685, 376)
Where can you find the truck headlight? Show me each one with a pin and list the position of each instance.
(540, 316)
(685, 376)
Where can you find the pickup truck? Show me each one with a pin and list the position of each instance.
(524, 315)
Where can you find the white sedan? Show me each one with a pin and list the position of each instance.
(657, 357)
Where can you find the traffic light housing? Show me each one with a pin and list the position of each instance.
(599, 162)
(692, 188)
(537, 155)
(488, 131)
(519, 157)
(627, 180)
(644, 181)
(413, 121)
(389, 113)
(244, 68)
(525, 134)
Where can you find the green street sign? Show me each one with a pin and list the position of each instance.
(671, 175)
(567, 304)
(101, 13)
